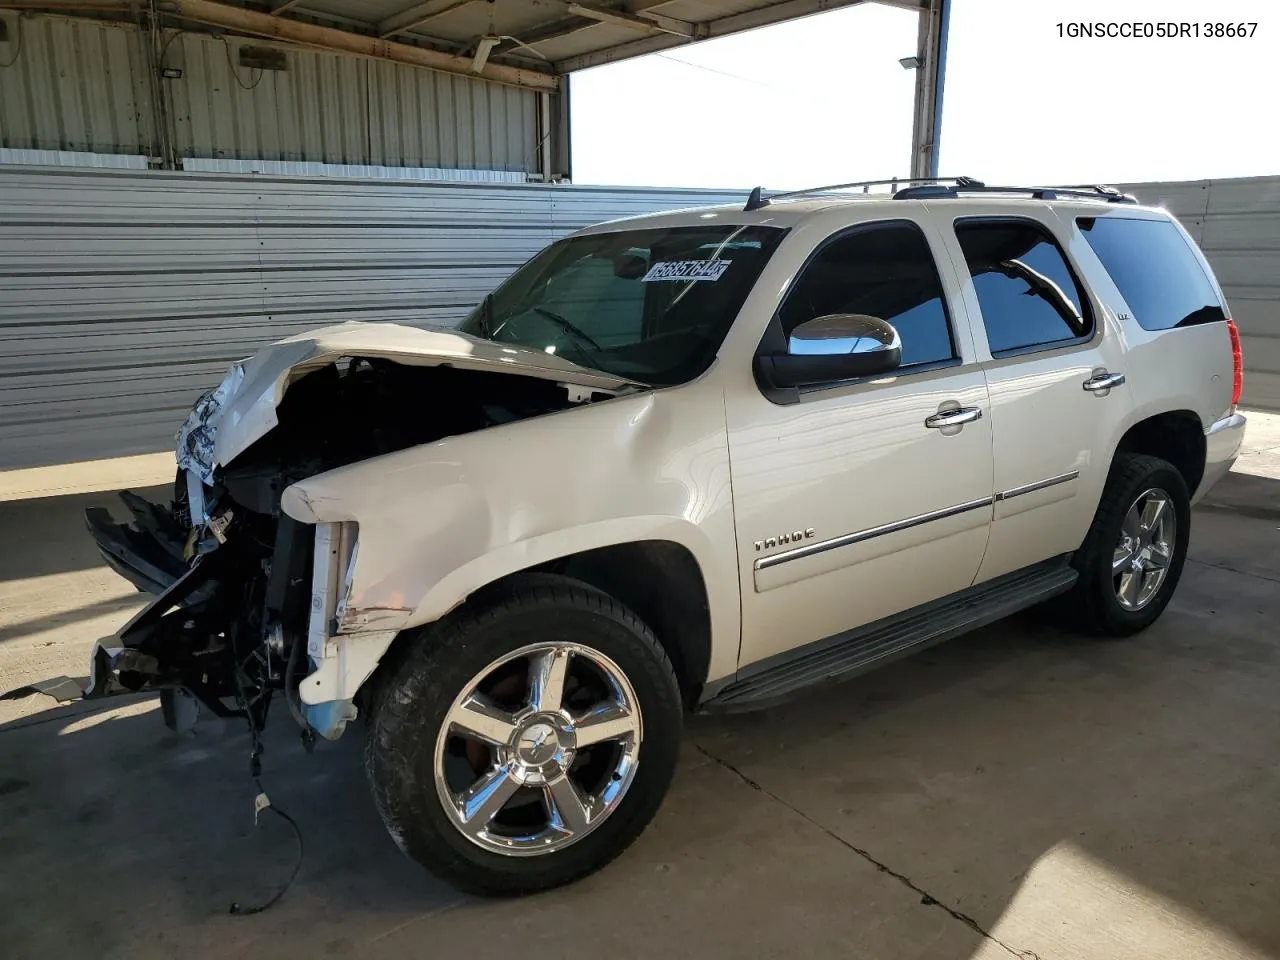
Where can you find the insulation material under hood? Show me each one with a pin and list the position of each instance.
(242, 408)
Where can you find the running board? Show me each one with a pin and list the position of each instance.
(875, 644)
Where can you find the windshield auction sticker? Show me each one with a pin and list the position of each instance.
(687, 270)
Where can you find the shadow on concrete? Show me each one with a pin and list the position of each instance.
(66, 618)
(47, 535)
(958, 770)
(1247, 495)
(962, 768)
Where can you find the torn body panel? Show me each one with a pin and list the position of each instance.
(251, 600)
(439, 521)
(243, 407)
(376, 495)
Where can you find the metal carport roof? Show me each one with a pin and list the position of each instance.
(523, 42)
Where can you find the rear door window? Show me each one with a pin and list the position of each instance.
(1028, 294)
(1155, 270)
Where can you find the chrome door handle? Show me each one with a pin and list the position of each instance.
(1103, 381)
(953, 418)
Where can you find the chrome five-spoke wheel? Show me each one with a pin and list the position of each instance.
(1142, 556)
(538, 749)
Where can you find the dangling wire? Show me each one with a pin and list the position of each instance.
(236, 909)
(17, 45)
(226, 46)
(260, 801)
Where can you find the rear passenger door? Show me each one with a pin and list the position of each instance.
(1054, 363)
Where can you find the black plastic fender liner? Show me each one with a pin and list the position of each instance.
(184, 591)
(137, 555)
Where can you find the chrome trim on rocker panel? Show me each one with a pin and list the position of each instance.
(849, 539)
(1038, 485)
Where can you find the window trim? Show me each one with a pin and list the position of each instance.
(773, 329)
(1086, 294)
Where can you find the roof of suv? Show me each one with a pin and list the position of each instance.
(787, 208)
(790, 212)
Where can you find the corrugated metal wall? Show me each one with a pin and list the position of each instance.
(1237, 224)
(334, 109)
(123, 295)
(74, 85)
(82, 85)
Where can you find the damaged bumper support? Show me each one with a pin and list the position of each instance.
(234, 624)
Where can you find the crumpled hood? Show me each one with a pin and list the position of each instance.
(242, 408)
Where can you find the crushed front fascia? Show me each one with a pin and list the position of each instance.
(194, 441)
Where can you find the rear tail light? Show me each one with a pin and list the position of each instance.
(1237, 362)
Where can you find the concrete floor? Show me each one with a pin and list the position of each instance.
(1017, 792)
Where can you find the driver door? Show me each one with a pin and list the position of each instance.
(859, 499)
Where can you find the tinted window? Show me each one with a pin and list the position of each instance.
(1155, 271)
(886, 271)
(649, 305)
(1028, 295)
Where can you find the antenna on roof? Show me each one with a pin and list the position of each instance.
(755, 201)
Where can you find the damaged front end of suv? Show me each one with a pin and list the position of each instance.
(253, 601)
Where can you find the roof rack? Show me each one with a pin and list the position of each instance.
(936, 191)
(757, 199)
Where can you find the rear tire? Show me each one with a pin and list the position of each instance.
(573, 802)
(1129, 568)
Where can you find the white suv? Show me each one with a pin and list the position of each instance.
(693, 461)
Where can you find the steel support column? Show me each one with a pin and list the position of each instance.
(931, 49)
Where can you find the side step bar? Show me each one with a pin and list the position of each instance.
(875, 644)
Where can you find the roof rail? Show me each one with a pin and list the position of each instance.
(942, 191)
(757, 199)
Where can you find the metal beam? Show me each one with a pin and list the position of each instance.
(328, 38)
(774, 13)
(417, 15)
(927, 115)
(564, 27)
(646, 22)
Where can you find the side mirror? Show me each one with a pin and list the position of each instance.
(841, 346)
(630, 267)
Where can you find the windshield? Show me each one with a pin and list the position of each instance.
(646, 305)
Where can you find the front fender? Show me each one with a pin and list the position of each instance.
(438, 522)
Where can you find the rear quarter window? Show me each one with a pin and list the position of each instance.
(1155, 270)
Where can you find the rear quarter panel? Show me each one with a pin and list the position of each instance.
(1185, 368)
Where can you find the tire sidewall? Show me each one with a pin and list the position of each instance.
(416, 700)
(1162, 476)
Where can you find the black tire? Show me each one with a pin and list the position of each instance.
(1093, 604)
(415, 699)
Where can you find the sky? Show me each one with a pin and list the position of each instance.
(824, 100)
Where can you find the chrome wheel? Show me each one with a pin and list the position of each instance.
(539, 749)
(1141, 559)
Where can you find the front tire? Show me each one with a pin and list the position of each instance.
(527, 740)
(1132, 558)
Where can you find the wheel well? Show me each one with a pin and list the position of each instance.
(662, 583)
(1176, 436)
(659, 580)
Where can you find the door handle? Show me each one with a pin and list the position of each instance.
(953, 418)
(1103, 382)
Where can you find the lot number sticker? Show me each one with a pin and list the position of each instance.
(687, 270)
